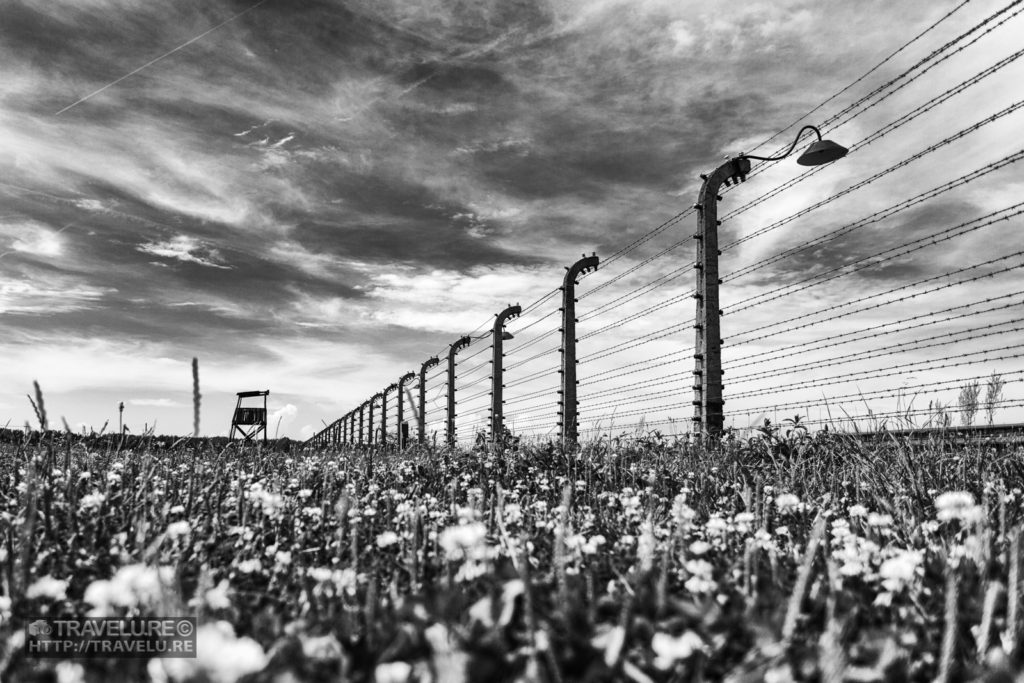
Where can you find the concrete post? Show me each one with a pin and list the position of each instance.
(371, 434)
(362, 433)
(401, 404)
(707, 385)
(452, 350)
(384, 413)
(497, 369)
(568, 404)
(429, 363)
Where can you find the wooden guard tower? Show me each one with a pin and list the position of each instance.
(250, 420)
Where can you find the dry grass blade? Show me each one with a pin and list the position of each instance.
(950, 616)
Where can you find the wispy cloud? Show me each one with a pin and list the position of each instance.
(186, 249)
(319, 193)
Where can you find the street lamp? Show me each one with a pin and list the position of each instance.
(429, 363)
(498, 335)
(707, 372)
(453, 349)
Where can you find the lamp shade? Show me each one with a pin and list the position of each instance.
(821, 152)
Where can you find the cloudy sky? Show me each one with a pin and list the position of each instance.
(318, 195)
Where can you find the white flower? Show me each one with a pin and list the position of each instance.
(224, 657)
(857, 511)
(670, 649)
(386, 539)
(132, 586)
(593, 543)
(717, 526)
(899, 571)
(91, 500)
(217, 598)
(249, 566)
(512, 513)
(682, 513)
(177, 529)
(48, 587)
(699, 547)
(283, 557)
(320, 574)
(881, 521)
(465, 540)
(393, 672)
(955, 505)
(744, 522)
(177, 509)
(786, 502)
(701, 568)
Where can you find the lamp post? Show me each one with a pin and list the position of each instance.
(498, 335)
(384, 413)
(422, 418)
(708, 415)
(407, 377)
(453, 349)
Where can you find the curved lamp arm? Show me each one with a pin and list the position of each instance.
(817, 153)
(791, 147)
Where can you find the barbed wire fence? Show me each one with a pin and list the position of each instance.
(859, 294)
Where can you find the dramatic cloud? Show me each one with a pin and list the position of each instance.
(318, 196)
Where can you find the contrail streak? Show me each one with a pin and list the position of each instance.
(163, 56)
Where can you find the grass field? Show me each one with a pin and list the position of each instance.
(786, 557)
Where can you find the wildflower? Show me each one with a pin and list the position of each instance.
(217, 598)
(320, 574)
(387, 539)
(840, 530)
(250, 566)
(879, 520)
(699, 547)
(786, 502)
(178, 529)
(744, 522)
(763, 539)
(91, 501)
(700, 580)
(670, 649)
(716, 526)
(782, 531)
(225, 657)
(955, 505)
(857, 511)
(177, 510)
(897, 572)
(283, 557)
(49, 588)
(393, 672)
(593, 543)
(463, 541)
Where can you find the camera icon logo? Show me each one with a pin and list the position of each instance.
(40, 627)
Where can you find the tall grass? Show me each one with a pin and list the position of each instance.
(783, 557)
